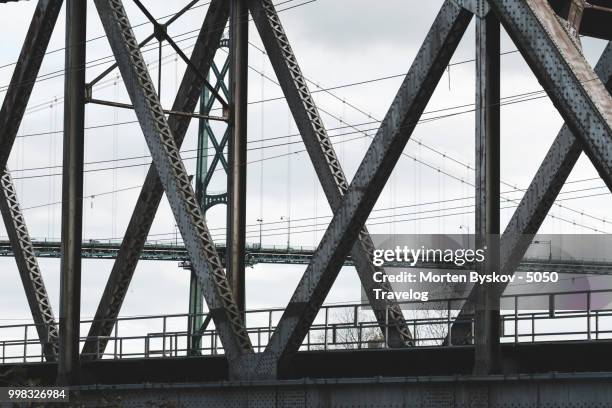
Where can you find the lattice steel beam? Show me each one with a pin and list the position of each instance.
(27, 264)
(152, 191)
(11, 115)
(370, 178)
(537, 201)
(176, 183)
(325, 161)
(202, 181)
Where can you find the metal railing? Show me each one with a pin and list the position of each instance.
(338, 326)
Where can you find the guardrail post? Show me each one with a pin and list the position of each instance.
(269, 325)
(387, 326)
(588, 294)
(449, 323)
(258, 339)
(25, 343)
(164, 336)
(326, 325)
(551, 305)
(516, 336)
(116, 335)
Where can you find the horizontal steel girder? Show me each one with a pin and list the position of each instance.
(152, 191)
(370, 178)
(324, 160)
(537, 200)
(13, 108)
(176, 182)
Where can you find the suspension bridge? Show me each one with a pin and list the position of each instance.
(188, 132)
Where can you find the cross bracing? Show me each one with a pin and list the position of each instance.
(549, 43)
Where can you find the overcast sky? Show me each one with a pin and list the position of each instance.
(337, 42)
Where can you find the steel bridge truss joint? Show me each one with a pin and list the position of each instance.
(480, 8)
(590, 123)
(323, 156)
(174, 178)
(569, 80)
(151, 194)
(370, 178)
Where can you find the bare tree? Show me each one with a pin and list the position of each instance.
(347, 328)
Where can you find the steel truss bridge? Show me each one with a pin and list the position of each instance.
(306, 354)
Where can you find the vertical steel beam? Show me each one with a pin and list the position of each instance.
(72, 192)
(196, 304)
(325, 161)
(486, 324)
(536, 203)
(196, 313)
(237, 149)
(370, 178)
(152, 190)
(176, 184)
(12, 111)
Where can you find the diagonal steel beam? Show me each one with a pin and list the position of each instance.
(576, 91)
(176, 183)
(27, 264)
(26, 71)
(535, 204)
(370, 178)
(11, 115)
(325, 161)
(152, 191)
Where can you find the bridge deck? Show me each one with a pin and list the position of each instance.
(527, 358)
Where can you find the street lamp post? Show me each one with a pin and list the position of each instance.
(260, 221)
(467, 228)
(549, 243)
(283, 218)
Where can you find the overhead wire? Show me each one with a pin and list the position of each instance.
(146, 48)
(375, 121)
